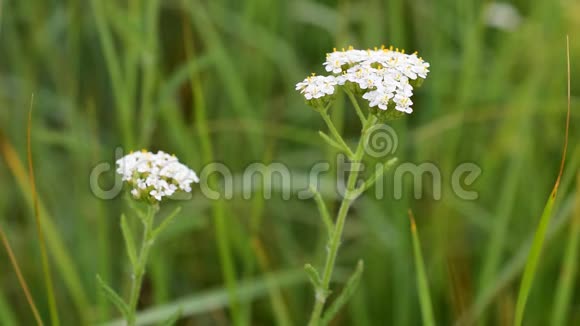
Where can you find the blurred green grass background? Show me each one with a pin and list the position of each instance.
(214, 81)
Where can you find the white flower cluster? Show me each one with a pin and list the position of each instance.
(383, 75)
(317, 86)
(154, 176)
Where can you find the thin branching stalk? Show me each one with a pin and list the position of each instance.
(336, 135)
(140, 265)
(335, 239)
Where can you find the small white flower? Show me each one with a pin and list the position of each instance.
(154, 176)
(405, 89)
(379, 97)
(337, 59)
(409, 71)
(365, 76)
(141, 184)
(156, 194)
(403, 103)
(317, 86)
(418, 66)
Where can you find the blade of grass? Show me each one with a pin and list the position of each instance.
(498, 235)
(266, 41)
(540, 235)
(102, 227)
(512, 269)
(7, 314)
(422, 283)
(218, 208)
(358, 307)
(149, 70)
(255, 253)
(21, 279)
(224, 65)
(114, 68)
(569, 268)
(212, 300)
(1, 13)
(55, 243)
(278, 305)
(173, 319)
(39, 229)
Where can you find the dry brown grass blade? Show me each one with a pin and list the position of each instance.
(9, 155)
(567, 113)
(540, 234)
(21, 279)
(56, 246)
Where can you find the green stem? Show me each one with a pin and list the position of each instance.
(354, 102)
(139, 267)
(335, 239)
(336, 134)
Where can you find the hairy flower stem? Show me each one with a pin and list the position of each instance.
(334, 242)
(139, 267)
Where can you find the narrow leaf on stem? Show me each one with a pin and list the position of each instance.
(113, 297)
(129, 241)
(333, 143)
(345, 295)
(377, 175)
(323, 210)
(313, 276)
(336, 134)
(166, 222)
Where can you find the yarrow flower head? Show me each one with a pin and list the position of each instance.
(155, 176)
(385, 77)
(317, 89)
